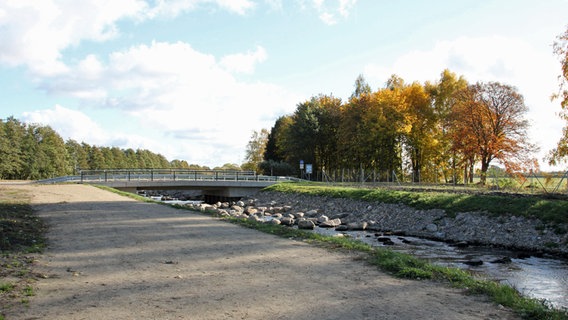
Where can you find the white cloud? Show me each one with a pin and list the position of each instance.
(510, 61)
(185, 103)
(70, 124)
(34, 33)
(327, 18)
(244, 62)
(328, 11)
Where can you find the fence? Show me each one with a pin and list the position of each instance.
(496, 180)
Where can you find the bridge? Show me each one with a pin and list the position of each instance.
(213, 184)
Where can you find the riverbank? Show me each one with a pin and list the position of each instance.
(474, 227)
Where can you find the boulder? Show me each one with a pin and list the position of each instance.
(251, 210)
(306, 224)
(298, 215)
(237, 208)
(312, 213)
(254, 218)
(322, 219)
(273, 221)
(223, 213)
(287, 221)
(474, 263)
(330, 223)
(358, 226)
(432, 227)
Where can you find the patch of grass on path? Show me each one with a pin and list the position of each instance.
(22, 233)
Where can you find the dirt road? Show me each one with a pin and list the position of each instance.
(111, 257)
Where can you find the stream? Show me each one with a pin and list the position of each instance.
(542, 277)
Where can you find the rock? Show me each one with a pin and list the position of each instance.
(223, 213)
(274, 221)
(502, 260)
(330, 223)
(523, 255)
(306, 224)
(254, 218)
(474, 263)
(461, 244)
(298, 215)
(237, 208)
(383, 239)
(432, 227)
(322, 219)
(341, 228)
(312, 213)
(287, 221)
(360, 226)
(240, 203)
(251, 210)
(262, 209)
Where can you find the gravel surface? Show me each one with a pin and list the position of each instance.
(111, 257)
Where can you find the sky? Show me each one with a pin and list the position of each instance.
(193, 79)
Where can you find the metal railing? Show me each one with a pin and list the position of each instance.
(93, 176)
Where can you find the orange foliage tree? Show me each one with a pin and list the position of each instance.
(489, 123)
(561, 50)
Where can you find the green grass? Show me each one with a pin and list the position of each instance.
(550, 211)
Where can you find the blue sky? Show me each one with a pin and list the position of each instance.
(192, 79)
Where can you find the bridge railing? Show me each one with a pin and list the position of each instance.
(93, 176)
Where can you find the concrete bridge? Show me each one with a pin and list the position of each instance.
(213, 184)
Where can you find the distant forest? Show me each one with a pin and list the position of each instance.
(31, 151)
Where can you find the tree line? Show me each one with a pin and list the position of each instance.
(445, 130)
(32, 151)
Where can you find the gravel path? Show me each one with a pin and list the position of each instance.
(111, 257)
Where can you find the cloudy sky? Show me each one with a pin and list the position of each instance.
(192, 79)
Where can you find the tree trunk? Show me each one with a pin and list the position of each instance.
(484, 167)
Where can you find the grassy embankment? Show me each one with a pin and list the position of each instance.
(407, 266)
(21, 234)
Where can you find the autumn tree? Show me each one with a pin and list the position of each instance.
(488, 121)
(419, 142)
(442, 94)
(561, 50)
(387, 125)
(353, 130)
(255, 150)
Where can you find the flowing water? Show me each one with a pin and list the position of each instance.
(542, 277)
